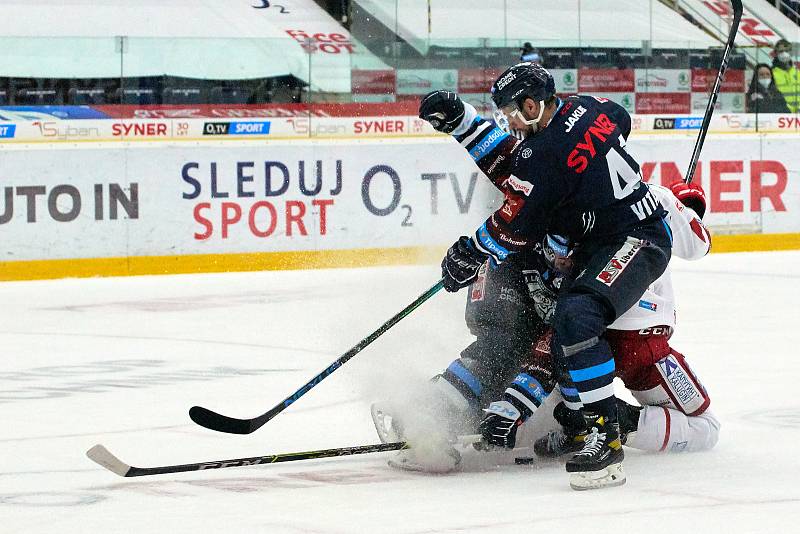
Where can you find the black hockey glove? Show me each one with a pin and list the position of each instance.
(461, 263)
(443, 109)
(500, 424)
(542, 293)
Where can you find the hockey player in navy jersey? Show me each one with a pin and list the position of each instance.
(674, 412)
(570, 176)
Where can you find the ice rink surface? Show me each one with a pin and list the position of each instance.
(120, 361)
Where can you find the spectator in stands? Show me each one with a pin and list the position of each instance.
(529, 53)
(763, 96)
(787, 78)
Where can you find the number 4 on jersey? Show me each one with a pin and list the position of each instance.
(625, 179)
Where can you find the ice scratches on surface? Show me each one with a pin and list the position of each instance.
(259, 481)
(169, 339)
(784, 417)
(86, 434)
(51, 499)
(544, 519)
(60, 381)
(199, 302)
(756, 274)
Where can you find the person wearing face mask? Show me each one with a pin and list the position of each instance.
(787, 78)
(763, 95)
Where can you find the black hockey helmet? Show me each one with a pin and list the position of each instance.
(523, 80)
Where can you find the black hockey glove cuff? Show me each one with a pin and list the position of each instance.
(443, 109)
(461, 263)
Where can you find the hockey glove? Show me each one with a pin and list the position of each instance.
(542, 293)
(500, 424)
(443, 109)
(461, 263)
(691, 195)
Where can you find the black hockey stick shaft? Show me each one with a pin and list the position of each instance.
(222, 423)
(100, 455)
(712, 100)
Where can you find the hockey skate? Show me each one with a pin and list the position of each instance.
(428, 452)
(599, 463)
(568, 439)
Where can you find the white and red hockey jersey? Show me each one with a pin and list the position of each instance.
(690, 241)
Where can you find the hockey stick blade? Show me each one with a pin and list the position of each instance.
(103, 457)
(100, 455)
(222, 423)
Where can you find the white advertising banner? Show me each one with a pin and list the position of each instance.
(154, 200)
(752, 183)
(167, 199)
(663, 80)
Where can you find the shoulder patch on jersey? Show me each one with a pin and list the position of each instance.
(526, 153)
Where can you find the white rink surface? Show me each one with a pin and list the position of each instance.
(120, 361)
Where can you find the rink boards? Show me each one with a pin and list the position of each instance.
(74, 209)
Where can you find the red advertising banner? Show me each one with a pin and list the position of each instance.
(703, 81)
(663, 102)
(477, 80)
(606, 80)
(373, 82)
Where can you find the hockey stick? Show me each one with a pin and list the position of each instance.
(712, 100)
(222, 423)
(103, 457)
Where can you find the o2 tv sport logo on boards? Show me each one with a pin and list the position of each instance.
(237, 128)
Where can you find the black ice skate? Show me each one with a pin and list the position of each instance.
(569, 439)
(599, 463)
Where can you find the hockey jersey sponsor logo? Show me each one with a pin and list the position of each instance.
(652, 306)
(519, 185)
(490, 245)
(487, 144)
(510, 295)
(511, 207)
(543, 345)
(686, 393)
(619, 262)
(584, 151)
(478, 288)
(531, 386)
(574, 117)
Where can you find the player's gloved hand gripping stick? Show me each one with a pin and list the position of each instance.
(222, 423)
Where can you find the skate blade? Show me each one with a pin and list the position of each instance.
(420, 468)
(611, 476)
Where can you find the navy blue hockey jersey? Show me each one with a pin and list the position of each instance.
(574, 178)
